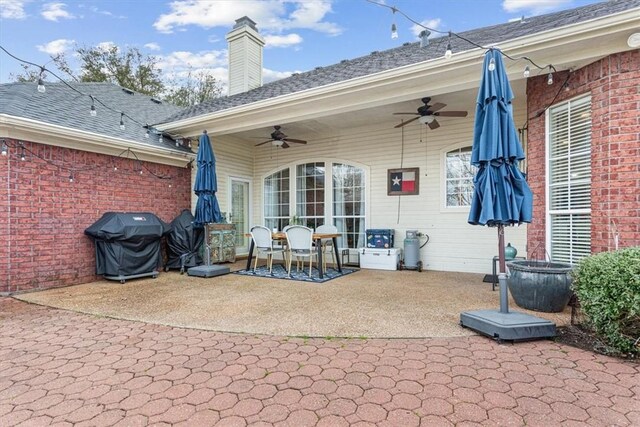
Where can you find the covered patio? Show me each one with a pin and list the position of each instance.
(366, 304)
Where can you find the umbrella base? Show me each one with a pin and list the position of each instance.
(208, 271)
(511, 326)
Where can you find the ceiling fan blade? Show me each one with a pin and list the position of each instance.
(437, 106)
(414, 114)
(284, 144)
(451, 114)
(434, 124)
(407, 122)
(265, 142)
(297, 141)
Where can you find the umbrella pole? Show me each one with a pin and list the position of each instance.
(502, 276)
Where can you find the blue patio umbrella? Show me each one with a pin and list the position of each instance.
(501, 194)
(206, 185)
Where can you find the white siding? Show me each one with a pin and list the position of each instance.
(454, 244)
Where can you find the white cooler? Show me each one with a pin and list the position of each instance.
(380, 259)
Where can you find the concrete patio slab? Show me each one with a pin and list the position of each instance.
(64, 368)
(368, 303)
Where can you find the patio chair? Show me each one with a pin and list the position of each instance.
(300, 245)
(264, 245)
(327, 244)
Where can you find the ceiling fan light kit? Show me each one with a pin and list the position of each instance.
(279, 139)
(427, 114)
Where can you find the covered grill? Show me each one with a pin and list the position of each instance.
(184, 243)
(127, 244)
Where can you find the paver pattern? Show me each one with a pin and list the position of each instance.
(63, 368)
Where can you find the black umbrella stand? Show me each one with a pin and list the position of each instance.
(505, 325)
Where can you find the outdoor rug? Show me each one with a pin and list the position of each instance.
(279, 272)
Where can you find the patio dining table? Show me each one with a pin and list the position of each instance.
(317, 238)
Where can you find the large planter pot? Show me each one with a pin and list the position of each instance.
(540, 285)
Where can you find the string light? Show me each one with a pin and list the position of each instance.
(71, 177)
(550, 76)
(5, 149)
(146, 133)
(527, 71)
(160, 140)
(394, 28)
(492, 64)
(122, 127)
(448, 53)
(23, 156)
(92, 111)
(41, 87)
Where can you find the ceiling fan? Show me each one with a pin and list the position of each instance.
(279, 139)
(427, 114)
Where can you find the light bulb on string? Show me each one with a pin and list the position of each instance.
(41, 87)
(492, 64)
(92, 111)
(424, 38)
(146, 134)
(550, 79)
(160, 138)
(122, 127)
(5, 148)
(115, 169)
(23, 155)
(526, 72)
(71, 177)
(448, 53)
(394, 31)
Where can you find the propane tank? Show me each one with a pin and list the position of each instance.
(412, 250)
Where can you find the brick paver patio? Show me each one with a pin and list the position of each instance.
(62, 368)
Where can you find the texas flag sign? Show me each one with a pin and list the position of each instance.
(403, 181)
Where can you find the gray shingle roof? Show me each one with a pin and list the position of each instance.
(409, 53)
(60, 105)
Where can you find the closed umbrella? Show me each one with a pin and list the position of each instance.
(501, 194)
(207, 208)
(206, 185)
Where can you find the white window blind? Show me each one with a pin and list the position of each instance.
(569, 185)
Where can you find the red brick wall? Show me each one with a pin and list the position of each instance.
(42, 241)
(614, 85)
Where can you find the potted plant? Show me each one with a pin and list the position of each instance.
(540, 285)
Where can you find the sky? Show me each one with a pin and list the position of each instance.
(190, 34)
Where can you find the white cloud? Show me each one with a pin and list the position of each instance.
(183, 60)
(55, 11)
(431, 23)
(534, 7)
(282, 41)
(56, 47)
(13, 9)
(105, 46)
(152, 46)
(270, 15)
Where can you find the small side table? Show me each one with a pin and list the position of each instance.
(494, 279)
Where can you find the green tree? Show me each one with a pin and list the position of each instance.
(131, 69)
(193, 89)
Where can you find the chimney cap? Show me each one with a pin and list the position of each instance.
(245, 20)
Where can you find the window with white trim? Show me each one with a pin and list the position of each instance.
(323, 191)
(459, 174)
(276, 199)
(569, 180)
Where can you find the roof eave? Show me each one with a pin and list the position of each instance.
(41, 132)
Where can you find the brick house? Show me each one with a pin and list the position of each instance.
(581, 132)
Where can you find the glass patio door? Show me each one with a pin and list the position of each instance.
(239, 214)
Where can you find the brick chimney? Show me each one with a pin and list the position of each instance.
(245, 56)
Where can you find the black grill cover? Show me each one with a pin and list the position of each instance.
(127, 243)
(184, 242)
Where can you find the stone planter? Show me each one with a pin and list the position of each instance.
(540, 285)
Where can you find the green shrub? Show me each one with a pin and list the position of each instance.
(608, 288)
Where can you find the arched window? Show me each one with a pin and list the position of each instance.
(459, 175)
